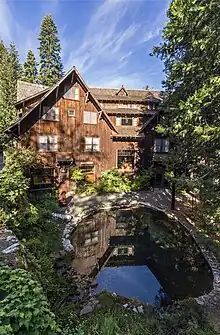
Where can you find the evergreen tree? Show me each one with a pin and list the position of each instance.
(8, 88)
(30, 68)
(51, 68)
(17, 68)
(191, 53)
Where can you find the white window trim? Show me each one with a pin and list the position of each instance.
(71, 110)
(90, 113)
(91, 144)
(48, 140)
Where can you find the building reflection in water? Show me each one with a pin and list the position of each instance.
(143, 245)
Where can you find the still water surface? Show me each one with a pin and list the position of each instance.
(140, 253)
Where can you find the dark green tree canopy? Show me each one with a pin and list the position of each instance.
(51, 68)
(191, 54)
(10, 71)
(30, 68)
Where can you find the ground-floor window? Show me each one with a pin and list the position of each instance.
(88, 169)
(125, 159)
(42, 178)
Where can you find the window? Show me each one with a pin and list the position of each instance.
(91, 238)
(71, 112)
(72, 93)
(122, 251)
(161, 145)
(50, 114)
(1, 160)
(126, 121)
(87, 167)
(89, 117)
(48, 143)
(125, 159)
(92, 144)
(42, 178)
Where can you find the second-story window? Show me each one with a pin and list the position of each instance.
(92, 144)
(48, 143)
(126, 121)
(72, 93)
(89, 117)
(161, 145)
(51, 114)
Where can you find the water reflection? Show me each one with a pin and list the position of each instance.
(139, 253)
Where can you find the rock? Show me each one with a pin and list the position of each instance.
(140, 309)
(125, 305)
(135, 310)
(86, 310)
(94, 284)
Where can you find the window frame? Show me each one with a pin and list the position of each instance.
(49, 112)
(72, 110)
(164, 145)
(92, 144)
(126, 118)
(117, 158)
(50, 140)
(69, 95)
(89, 115)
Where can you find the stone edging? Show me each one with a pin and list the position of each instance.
(186, 223)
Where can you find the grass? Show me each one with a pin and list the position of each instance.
(183, 318)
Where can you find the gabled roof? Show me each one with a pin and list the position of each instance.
(110, 94)
(50, 97)
(26, 90)
(122, 91)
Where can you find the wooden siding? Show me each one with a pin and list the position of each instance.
(71, 132)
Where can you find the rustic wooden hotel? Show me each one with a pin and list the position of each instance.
(71, 124)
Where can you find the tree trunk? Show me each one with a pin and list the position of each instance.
(173, 195)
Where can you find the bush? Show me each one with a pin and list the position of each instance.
(24, 308)
(78, 175)
(141, 180)
(113, 181)
(86, 189)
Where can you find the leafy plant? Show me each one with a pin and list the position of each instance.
(77, 175)
(141, 180)
(24, 309)
(86, 189)
(114, 181)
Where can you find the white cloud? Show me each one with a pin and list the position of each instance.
(6, 20)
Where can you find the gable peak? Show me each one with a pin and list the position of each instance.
(122, 91)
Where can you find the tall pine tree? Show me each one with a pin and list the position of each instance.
(30, 68)
(9, 73)
(191, 54)
(51, 68)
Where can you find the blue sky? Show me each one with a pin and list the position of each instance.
(109, 41)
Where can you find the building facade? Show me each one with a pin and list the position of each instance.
(94, 129)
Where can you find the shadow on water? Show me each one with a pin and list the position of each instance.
(140, 253)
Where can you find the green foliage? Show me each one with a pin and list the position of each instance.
(51, 68)
(86, 189)
(30, 68)
(191, 53)
(24, 310)
(77, 175)
(9, 73)
(141, 180)
(15, 208)
(114, 181)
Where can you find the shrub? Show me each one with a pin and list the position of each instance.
(86, 189)
(113, 181)
(78, 175)
(24, 308)
(141, 180)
